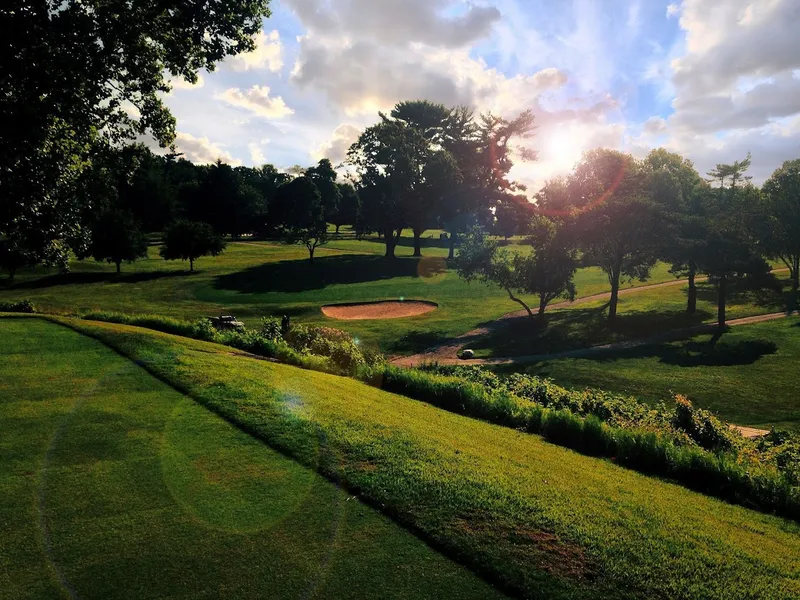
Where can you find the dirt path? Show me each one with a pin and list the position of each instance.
(446, 353)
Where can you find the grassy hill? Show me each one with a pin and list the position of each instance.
(545, 521)
(114, 485)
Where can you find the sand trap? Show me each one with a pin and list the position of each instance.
(392, 309)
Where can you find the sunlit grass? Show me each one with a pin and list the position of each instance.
(547, 521)
(113, 485)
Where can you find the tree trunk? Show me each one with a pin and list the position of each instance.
(418, 242)
(542, 307)
(795, 274)
(119, 266)
(691, 306)
(520, 302)
(721, 300)
(11, 272)
(452, 241)
(337, 230)
(191, 264)
(390, 242)
(311, 255)
(612, 305)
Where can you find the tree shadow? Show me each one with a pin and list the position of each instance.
(301, 276)
(96, 277)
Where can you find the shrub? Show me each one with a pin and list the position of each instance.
(700, 425)
(271, 328)
(20, 306)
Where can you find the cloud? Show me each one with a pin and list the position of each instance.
(179, 83)
(202, 150)
(337, 146)
(257, 157)
(673, 10)
(268, 54)
(258, 101)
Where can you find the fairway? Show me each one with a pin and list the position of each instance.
(113, 485)
(748, 375)
(546, 521)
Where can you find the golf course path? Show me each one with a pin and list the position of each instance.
(447, 353)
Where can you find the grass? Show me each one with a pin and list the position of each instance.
(543, 520)
(255, 279)
(114, 485)
(748, 376)
(640, 315)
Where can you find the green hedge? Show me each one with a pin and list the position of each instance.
(21, 306)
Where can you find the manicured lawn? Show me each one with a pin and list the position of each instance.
(113, 485)
(749, 375)
(256, 279)
(548, 522)
(640, 315)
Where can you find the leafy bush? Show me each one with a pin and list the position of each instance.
(700, 425)
(21, 306)
(271, 328)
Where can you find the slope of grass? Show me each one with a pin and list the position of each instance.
(748, 375)
(255, 279)
(541, 519)
(113, 485)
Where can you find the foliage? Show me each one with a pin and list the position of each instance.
(116, 238)
(271, 328)
(547, 271)
(780, 235)
(301, 212)
(77, 76)
(189, 240)
(20, 306)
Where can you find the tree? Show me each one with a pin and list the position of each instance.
(324, 177)
(728, 252)
(781, 234)
(189, 240)
(678, 190)
(616, 220)
(513, 215)
(735, 172)
(349, 207)
(300, 211)
(116, 238)
(76, 72)
(546, 272)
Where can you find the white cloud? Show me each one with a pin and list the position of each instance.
(179, 83)
(673, 10)
(257, 157)
(268, 54)
(337, 146)
(201, 150)
(258, 101)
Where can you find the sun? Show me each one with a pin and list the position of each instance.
(563, 148)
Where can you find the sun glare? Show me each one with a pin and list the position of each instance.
(563, 149)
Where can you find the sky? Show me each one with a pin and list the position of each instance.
(710, 79)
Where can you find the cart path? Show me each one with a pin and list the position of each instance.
(446, 353)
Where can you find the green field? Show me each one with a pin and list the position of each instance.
(548, 522)
(257, 279)
(748, 376)
(113, 485)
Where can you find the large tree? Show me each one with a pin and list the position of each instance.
(300, 212)
(617, 220)
(348, 208)
(781, 236)
(678, 190)
(79, 71)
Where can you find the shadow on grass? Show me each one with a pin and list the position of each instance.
(96, 277)
(301, 276)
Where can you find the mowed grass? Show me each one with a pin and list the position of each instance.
(113, 485)
(543, 520)
(641, 314)
(256, 279)
(748, 376)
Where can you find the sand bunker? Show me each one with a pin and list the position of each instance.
(378, 310)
